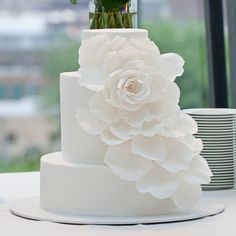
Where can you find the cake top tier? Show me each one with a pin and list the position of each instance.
(127, 33)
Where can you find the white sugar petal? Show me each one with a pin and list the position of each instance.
(148, 128)
(172, 93)
(135, 118)
(198, 172)
(186, 122)
(109, 138)
(92, 78)
(171, 65)
(195, 144)
(125, 164)
(187, 195)
(89, 122)
(103, 109)
(178, 156)
(123, 130)
(159, 182)
(155, 109)
(152, 148)
(179, 127)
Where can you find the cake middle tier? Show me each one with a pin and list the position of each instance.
(77, 145)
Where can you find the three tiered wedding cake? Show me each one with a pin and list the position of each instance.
(127, 148)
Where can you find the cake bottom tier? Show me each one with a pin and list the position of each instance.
(92, 190)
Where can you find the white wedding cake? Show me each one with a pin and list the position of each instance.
(127, 148)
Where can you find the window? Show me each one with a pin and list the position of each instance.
(2, 91)
(42, 40)
(17, 91)
(178, 26)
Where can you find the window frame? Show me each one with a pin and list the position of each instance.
(217, 75)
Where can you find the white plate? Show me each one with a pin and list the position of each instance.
(220, 162)
(226, 178)
(217, 146)
(218, 128)
(218, 150)
(216, 133)
(213, 116)
(211, 111)
(221, 165)
(216, 142)
(215, 126)
(214, 119)
(220, 184)
(211, 188)
(211, 161)
(213, 129)
(210, 135)
(225, 139)
(217, 154)
(233, 135)
(221, 168)
(232, 182)
(223, 173)
(218, 166)
(228, 159)
(215, 122)
(30, 209)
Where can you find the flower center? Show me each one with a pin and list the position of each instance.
(131, 86)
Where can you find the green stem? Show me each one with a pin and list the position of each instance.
(112, 19)
(119, 20)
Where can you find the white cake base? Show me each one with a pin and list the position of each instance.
(92, 189)
(30, 209)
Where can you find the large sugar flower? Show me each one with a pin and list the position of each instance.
(135, 111)
(101, 55)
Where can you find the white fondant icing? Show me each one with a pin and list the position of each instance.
(77, 145)
(127, 33)
(87, 189)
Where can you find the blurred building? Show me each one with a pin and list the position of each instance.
(24, 131)
(27, 30)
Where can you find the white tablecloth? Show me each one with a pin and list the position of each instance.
(24, 185)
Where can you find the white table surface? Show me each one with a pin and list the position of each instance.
(23, 185)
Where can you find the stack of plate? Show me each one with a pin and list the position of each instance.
(217, 129)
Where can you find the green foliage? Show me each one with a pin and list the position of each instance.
(108, 14)
(20, 165)
(73, 1)
(188, 40)
(110, 5)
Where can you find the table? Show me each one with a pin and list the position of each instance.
(23, 185)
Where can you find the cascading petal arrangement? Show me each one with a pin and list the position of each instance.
(134, 109)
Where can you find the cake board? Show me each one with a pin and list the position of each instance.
(30, 209)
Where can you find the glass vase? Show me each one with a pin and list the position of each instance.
(104, 14)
